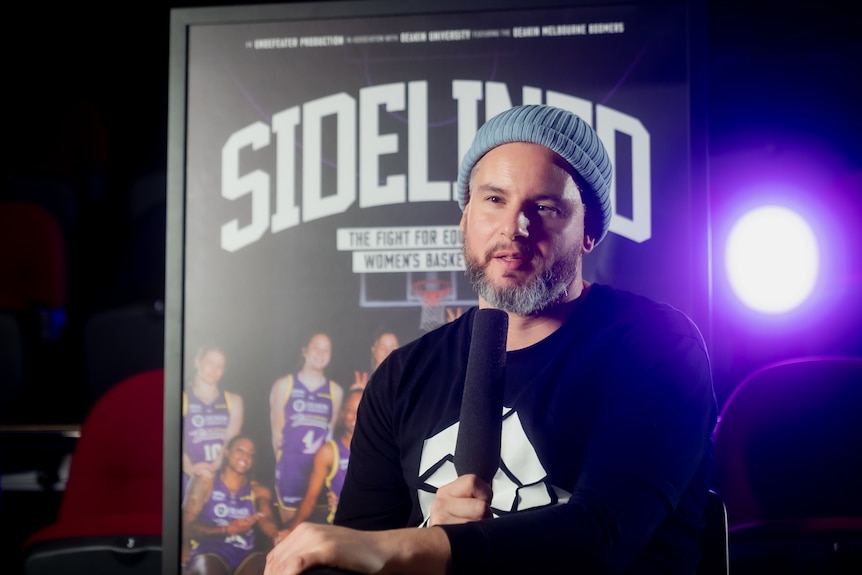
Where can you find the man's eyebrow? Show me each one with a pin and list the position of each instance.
(559, 202)
(491, 188)
(548, 198)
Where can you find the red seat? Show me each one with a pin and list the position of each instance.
(110, 517)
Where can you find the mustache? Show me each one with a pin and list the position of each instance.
(523, 249)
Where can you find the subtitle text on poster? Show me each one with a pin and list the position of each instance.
(550, 30)
(399, 249)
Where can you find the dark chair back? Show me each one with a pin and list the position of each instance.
(120, 342)
(788, 464)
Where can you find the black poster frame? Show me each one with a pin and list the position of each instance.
(687, 173)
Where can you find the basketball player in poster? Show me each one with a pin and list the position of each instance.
(211, 415)
(330, 466)
(304, 408)
(383, 345)
(222, 513)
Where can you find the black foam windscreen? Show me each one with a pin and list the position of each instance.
(477, 448)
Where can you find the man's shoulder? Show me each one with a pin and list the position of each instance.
(625, 309)
(643, 333)
(622, 301)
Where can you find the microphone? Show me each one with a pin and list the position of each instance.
(477, 447)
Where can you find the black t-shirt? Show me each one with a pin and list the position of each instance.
(605, 446)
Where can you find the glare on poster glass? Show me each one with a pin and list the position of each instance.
(772, 259)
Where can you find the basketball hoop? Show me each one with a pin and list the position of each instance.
(431, 292)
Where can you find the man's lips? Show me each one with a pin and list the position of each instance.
(510, 259)
(508, 255)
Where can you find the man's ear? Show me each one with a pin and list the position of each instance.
(589, 243)
(463, 223)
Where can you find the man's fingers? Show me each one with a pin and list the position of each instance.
(467, 486)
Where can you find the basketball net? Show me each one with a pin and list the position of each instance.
(430, 292)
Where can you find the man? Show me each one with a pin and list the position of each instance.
(608, 400)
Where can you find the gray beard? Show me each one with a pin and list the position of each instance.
(544, 290)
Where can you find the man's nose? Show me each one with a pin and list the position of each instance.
(518, 226)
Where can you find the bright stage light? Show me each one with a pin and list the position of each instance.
(772, 259)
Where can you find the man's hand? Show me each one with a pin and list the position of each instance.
(410, 550)
(311, 545)
(466, 499)
(281, 535)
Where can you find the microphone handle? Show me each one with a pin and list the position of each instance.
(477, 447)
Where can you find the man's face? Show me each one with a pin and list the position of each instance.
(523, 229)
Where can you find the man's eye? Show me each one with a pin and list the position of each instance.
(547, 210)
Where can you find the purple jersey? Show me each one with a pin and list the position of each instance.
(204, 426)
(307, 415)
(221, 508)
(335, 478)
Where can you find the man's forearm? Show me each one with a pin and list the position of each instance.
(416, 551)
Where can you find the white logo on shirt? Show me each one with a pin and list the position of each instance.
(520, 482)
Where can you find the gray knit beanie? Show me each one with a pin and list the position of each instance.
(562, 132)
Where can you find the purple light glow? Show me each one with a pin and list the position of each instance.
(809, 179)
(772, 259)
(818, 182)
